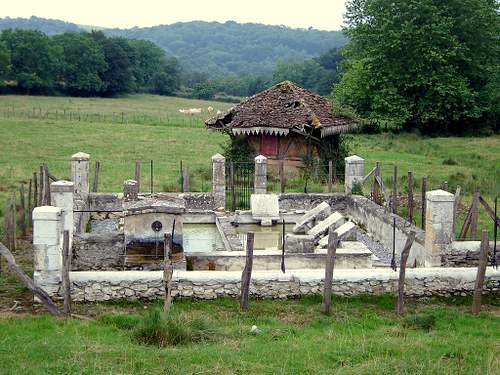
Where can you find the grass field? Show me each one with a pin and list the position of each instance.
(362, 336)
(153, 129)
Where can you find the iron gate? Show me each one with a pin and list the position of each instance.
(239, 185)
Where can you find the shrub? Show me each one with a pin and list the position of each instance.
(424, 321)
(357, 188)
(450, 161)
(121, 321)
(162, 330)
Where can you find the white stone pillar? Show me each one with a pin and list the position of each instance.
(47, 248)
(219, 180)
(438, 225)
(354, 171)
(80, 172)
(130, 190)
(260, 180)
(61, 193)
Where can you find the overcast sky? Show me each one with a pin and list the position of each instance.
(320, 14)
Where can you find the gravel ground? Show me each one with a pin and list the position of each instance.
(379, 250)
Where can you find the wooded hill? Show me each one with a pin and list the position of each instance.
(213, 47)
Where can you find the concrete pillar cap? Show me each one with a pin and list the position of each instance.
(62, 186)
(48, 213)
(130, 182)
(80, 156)
(260, 159)
(439, 196)
(354, 159)
(218, 157)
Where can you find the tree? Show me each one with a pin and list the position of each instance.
(4, 62)
(83, 64)
(426, 64)
(34, 60)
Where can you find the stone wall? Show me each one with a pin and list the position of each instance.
(94, 251)
(199, 201)
(305, 202)
(464, 254)
(133, 285)
(378, 222)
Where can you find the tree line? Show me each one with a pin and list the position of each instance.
(84, 64)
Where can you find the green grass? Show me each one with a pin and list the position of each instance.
(155, 130)
(362, 336)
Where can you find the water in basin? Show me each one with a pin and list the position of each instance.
(266, 238)
(201, 238)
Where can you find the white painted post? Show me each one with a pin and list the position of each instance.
(80, 172)
(219, 180)
(438, 225)
(47, 248)
(354, 171)
(61, 193)
(260, 180)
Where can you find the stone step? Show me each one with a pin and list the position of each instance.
(318, 213)
(342, 231)
(321, 228)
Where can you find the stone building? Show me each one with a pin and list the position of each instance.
(284, 122)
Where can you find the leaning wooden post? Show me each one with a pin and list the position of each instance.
(167, 271)
(475, 214)
(376, 186)
(410, 196)
(37, 291)
(330, 176)
(22, 210)
(481, 271)
(424, 190)
(246, 276)
(402, 272)
(282, 176)
(97, 170)
(66, 267)
(330, 263)
(137, 174)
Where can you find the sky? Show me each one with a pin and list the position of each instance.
(320, 14)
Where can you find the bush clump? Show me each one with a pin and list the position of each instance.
(425, 321)
(159, 329)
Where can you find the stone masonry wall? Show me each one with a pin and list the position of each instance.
(97, 251)
(302, 201)
(133, 285)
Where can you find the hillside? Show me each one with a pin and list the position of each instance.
(213, 47)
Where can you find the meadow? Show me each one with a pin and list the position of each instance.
(119, 131)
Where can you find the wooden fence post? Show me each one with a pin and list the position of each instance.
(475, 214)
(282, 176)
(481, 271)
(185, 180)
(246, 276)
(46, 185)
(402, 272)
(167, 272)
(330, 176)
(395, 191)
(456, 203)
(376, 186)
(22, 210)
(410, 196)
(30, 208)
(137, 174)
(35, 190)
(97, 170)
(66, 267)
(330, 263)
(424, 203)
(40, 187)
